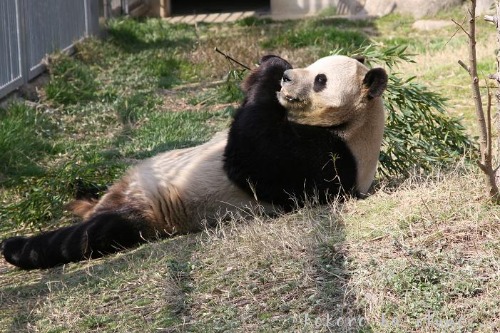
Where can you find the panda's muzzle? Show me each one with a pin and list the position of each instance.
(288, 96)
(293, 91)
(292, 99)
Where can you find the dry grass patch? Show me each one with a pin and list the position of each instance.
(430, 262)
(143, 290)
(272, 275)
(422, 257)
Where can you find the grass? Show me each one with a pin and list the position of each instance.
(24, 138)
(433, 254)
(354, 264)
(416, 256)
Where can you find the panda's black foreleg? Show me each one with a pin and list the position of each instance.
(103, 234)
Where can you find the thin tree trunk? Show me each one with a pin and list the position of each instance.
(495, 20)
(484, 124)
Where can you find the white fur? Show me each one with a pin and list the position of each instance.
(343, 101)
(184, 189)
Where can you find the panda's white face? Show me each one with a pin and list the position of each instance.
(327, 93)
(339, 90)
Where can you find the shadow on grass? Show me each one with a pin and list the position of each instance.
(289, 273)
(145, 288)
(336, 309)
(152, 287)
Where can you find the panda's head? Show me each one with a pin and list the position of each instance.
(333, 91)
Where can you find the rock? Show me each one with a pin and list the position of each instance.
(417, 8)
(378, 7)
(484, 7)
(420, 8)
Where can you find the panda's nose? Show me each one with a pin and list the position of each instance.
(286, 77)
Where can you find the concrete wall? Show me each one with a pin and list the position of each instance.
(417, 8)
(292, 8)
(159, 8)
(299, 7)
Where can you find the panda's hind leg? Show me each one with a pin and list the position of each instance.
(87, 196)
(104, 233)
(82, 208)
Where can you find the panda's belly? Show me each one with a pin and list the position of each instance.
(187, 188)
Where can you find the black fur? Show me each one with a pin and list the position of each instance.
(103, 234)
(376, 81)
(320, 83)
(87, 191)
(282, 162)
(281, 159)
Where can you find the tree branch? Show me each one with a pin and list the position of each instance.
(228, 57)
(489, 135)
(461, 27)
(472, 69)
(464, 66)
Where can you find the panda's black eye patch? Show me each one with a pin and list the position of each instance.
(319, 82)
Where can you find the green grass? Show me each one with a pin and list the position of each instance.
(24, 138)
(325, 35)
(417, 256)
(72, 81)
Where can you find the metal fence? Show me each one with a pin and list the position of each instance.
(30, 29)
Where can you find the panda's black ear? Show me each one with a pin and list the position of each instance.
(359, 58)
(376, 82)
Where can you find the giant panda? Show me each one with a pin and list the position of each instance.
(297, 132)
(319, 138)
